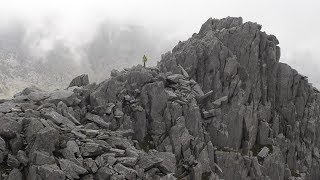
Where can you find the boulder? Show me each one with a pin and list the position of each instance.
(80, 81)
(50, 172)
(46, 140)
(9, 127)
(15, 174)
(71, 170)
(127, 172)
(98, 120)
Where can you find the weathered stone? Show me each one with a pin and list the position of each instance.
(128, 161)
(196, 172)
(32, 129)
(117, 152)
(168, 165)
(16, 144)
(98, 120)
(9, 128)
(104, 173)
(273, 164)
(218, 102)
(51, 172)
(80, 81)
(211, 113)
(22, 157)
(90, 165)
(119, 142)
(65, 96)
(174, 78)
(91, 149)
(15, 174)
(147, 162)
(232, 165)
(180, 137)
(3, 149)
(71, 150)
(140, 125)
(154, 99)
(56, 117)
(46, 140)
(229, 72)
(71, 169)
(12, 161)
(263, 133)
(168, 177)
(264, 152)
(41, 158)
(127, 172)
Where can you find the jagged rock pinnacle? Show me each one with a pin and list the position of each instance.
(219, 106)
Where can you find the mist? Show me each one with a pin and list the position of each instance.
(47, 43)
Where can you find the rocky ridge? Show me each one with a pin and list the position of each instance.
(219, 106)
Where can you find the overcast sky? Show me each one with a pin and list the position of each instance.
(294, 22)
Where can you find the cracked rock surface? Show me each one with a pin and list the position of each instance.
(219, 106)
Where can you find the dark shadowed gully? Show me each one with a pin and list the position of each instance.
(219, 106)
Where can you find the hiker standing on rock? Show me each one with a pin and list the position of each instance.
(144, 60)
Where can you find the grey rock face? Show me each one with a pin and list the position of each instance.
(9, 127)
(98, 120)
(71, 169)
(219, 106)
(50, 172)
(46, 140)
(15, 174)
(79, 81)
(127, 172)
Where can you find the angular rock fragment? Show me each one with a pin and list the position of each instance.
(12, 161)
(15, 174)
(51, 172)
(46, 140)
(22, 157)
(90, 165)
(264, 152)
(9, 128)
(127, 172)
(41, 158)
(3, 149)
(98, 120)
(80, 81)
(105, 173)
(91, 149)
(71, 169)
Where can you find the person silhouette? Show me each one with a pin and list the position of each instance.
(144, 60)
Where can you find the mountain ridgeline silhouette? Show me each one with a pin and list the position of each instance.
(220, 105)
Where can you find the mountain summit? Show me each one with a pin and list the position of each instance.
(219, 106)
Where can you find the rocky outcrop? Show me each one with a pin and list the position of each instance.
(79, 81)
(219, 106)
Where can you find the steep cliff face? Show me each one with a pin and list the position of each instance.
(269, 103)
(219, 106)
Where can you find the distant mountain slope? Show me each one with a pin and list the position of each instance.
(23, 61)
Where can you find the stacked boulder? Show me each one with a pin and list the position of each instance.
(219, 106)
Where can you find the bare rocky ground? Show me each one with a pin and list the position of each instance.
(219, 106)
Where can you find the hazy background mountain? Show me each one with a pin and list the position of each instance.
(32, 58)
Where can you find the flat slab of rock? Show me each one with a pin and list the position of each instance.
(98, 120)
(264, 152)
